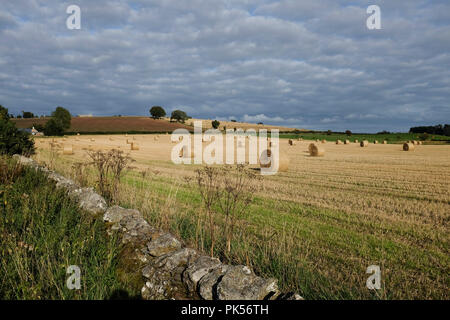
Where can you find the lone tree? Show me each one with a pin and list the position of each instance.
(62, 115)
(215, 124)
(348, 132)
(53, 127)
(59, 122)
(13, 140)
(157, 112)
(179, 116)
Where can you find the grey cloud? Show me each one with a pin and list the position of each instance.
(310, 64)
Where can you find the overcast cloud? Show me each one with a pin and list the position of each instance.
(307, 64)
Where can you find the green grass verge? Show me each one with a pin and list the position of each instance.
(42, 232)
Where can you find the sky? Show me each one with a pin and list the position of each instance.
(304, 64)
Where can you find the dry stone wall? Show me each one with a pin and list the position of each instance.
(168, 269)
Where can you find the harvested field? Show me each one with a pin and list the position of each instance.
(320, 224)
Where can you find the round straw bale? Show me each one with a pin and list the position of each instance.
(384, 142)
(338, 141)
(291, 142)
(68, 150)
(346, 141)
(408, 147)
(364, 143)
(134, 146)
(315, 150)
(184, 153)
(266, 161)
(356, 141)
(375, 142)
(324, 141)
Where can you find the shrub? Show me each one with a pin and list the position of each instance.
(4, 115)
(13, 140)
(215, 124)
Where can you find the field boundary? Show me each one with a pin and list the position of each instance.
(161, 263)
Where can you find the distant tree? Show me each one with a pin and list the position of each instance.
(329, 132)
(215, 124)
(233, 120)
(19, 116)
(13, 140)
(179, 116)
(260, 123)
(54, 127)
(157, 112)
(447, 130)
(63, 116)
(27, 115)
(438, 129)
(348, 132)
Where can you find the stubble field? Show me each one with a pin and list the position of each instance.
(318, 226)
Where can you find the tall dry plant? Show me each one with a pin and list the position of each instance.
(230, 189)
(237, 186)
(53, 155)
(208, 184)
(79, 173)
(110, 167)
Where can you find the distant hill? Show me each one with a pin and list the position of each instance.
(109, 124)
(139, 124)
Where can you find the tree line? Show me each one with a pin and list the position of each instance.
(443, 130)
